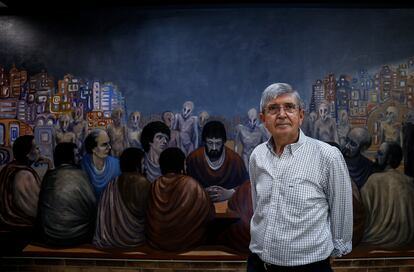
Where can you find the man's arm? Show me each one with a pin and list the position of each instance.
(340, 204)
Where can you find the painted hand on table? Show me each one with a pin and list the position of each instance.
(218, 193)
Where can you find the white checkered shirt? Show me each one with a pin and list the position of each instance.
(302, 203)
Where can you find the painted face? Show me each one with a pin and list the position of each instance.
(391, 114)
(323, 111)
(40, 122)
(103, 147)
(252, 114)
(351, 148)
(286, 122)
(344, 117)
(64, 123)
(203, 117)
(187, 109)
(117, 116)
(382, 155)
(159, 143)
(214, 148)
(313, 116)
(134, 119)
(79, 113)
(168, 118)
(34, 153)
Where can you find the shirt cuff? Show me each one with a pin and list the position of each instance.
(341, 248)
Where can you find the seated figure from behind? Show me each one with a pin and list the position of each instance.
(19, 194)
(98, 164)
(121, 212)
(20, 185)
(360, 167)
(154, 139)
(388, 200)
(67, 202)
(178, 207)
(219, 169)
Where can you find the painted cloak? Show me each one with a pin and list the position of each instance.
(18, 198)
(237, 234)
(121, 213)
(99, 181)
(389, 202)
(230, 175)
(178, 212)
(67, 207)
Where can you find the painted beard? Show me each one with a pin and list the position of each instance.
(215, 154)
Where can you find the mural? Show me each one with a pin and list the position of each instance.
(120, 131)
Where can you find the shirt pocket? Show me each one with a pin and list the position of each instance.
(297, 195)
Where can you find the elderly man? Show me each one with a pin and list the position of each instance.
(98, 164)
(219, 169)
(301, 192)
(388, 200)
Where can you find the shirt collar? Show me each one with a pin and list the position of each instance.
(291, 148)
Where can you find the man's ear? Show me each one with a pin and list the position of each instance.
(262, 117)
(301, 116)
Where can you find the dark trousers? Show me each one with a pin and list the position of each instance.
(255, 264)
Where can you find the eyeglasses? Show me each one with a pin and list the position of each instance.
(275, 108)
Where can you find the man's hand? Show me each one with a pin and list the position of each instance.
(218, 193)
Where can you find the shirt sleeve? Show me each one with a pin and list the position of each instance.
(252, 176)
(340, 203)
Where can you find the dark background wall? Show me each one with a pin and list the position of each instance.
(219, 56)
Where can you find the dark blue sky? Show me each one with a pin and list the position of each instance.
(220, 58)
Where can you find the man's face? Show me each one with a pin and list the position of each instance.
(285, 122)
(214, 147)
(103, 146)
(159, 143)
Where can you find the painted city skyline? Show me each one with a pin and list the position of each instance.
(208, 55)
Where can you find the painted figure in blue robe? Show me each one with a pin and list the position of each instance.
(98, 164)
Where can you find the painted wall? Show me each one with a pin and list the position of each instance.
(359, 61)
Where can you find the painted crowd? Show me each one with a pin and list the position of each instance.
(123, 187)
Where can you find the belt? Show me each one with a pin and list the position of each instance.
(272, 267)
